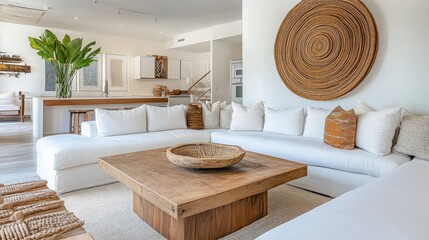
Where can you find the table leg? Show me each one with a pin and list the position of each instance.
(211, 224)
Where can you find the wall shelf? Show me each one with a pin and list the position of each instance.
(9, 66)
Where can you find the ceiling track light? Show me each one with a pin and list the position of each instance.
(121, 11)
(41, 10)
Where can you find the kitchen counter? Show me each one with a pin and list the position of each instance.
(51, 115)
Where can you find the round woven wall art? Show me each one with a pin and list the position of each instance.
(325, 48)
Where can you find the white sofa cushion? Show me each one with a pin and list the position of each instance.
(376, 129)
(166, 118)
(88, 129)
(9, 107)
(70, 150)
(247, 119)
(311, 152)
(284, 121)
(7, 98)
(393, 207)
(363, 107)
(225, 115)
(211, 115)
(120, 122)
(315, 123)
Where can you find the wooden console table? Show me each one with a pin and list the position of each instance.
(51, 115)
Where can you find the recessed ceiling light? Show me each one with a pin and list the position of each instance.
(76, 18)
(160, 32)
(120, 25)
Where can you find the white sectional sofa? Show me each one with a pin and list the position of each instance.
(331, 171)
(393, 207)
(69, 162)
(383, 195)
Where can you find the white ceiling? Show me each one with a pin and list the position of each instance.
(173, 16)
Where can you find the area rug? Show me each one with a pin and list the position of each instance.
(107, 212)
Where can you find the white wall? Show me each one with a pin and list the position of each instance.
(207, 34)
(222, 53)
(13, 40)
(400, 76)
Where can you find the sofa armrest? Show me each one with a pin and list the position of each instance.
(88, 129)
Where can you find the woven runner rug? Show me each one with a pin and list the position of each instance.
(31, 211)
(108, 215)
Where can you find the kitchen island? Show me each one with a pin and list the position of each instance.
(50, 115)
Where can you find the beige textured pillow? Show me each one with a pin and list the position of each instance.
(413, 137)
(211, 115)
(225, 115)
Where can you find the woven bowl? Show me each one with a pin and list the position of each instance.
(205, 155)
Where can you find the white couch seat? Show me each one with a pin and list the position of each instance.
(393, 207)
(69, 150)
(9, 107)
(312, 152)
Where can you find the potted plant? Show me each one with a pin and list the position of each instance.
(66, 56)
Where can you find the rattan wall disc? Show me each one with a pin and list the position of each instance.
(325, 48)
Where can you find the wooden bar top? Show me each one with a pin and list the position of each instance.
(50, 101)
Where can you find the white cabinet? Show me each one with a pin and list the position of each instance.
(186, 69)
(173, 69)
(144, 67)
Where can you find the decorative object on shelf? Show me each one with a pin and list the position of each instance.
(324, 49)
(205, 155)
(164, 91)
(90, 78)
(157, 90)
(161, 66)
(116, 72)
(160, 90)
(176, 92)
(66, 56)
(10, 67)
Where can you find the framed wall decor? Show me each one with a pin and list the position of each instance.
(116, 72)
(90, 78)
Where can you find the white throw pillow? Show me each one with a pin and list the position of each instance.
(225, 115)
(376, 130)
(211, 115)
(362, 107)
(315, 123)
(289, 122)
(7, 98)
(247, 119)
(166, 118)
(120, 122)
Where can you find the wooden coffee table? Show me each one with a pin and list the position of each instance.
(187, 204)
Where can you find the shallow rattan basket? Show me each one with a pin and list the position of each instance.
(205, 155)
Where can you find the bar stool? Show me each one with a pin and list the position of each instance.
(74, 123)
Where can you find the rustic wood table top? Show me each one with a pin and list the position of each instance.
(182, 192)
